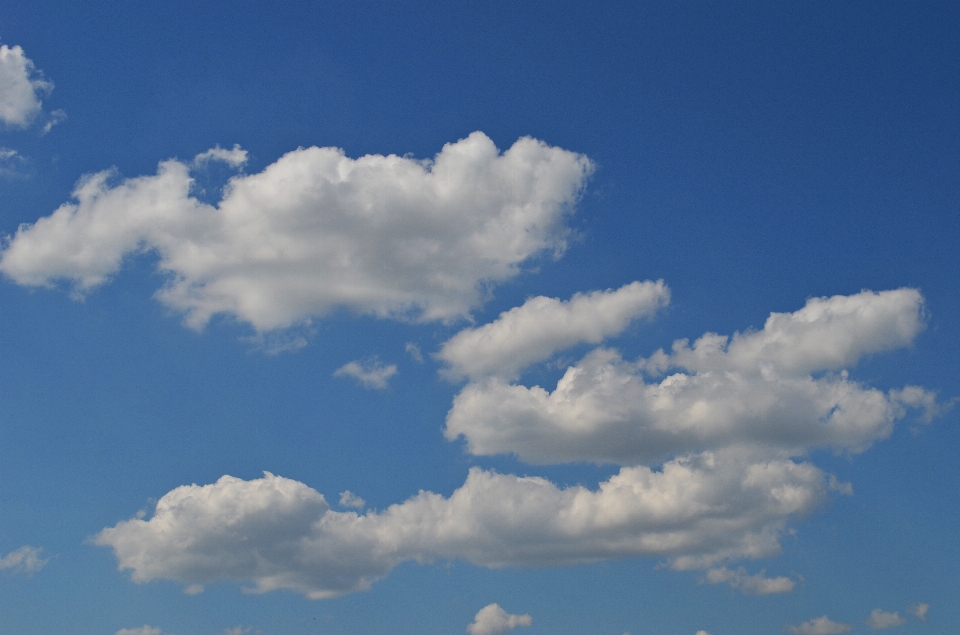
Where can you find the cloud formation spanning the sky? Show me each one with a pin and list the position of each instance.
(493, 620)
(651, 353)
(755, 390)
(730, 431)
(383, 235)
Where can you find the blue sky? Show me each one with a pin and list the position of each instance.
(501, 317)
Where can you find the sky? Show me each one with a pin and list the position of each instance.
(437, 318)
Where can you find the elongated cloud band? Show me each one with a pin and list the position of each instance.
(542, 326)
(280, 533)
(384, 235)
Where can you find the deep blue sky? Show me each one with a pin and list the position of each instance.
(752, 155)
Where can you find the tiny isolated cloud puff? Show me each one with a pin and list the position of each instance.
(370, 373)
(493, 620)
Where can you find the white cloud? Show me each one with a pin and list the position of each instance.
(387, 236)
(820, 626)
(26, 559)
(756, 584)
(754, 390)
(702, 633)
(414, 352)
(371, 373)
(237, 630)
(349, 499)
(826, 334)
(143, 630)
(880, 619)
(11, 163)
(55, 117)
(920, 610)
(279, 533)
(542, 326)
(727, 433)
(21, 87)
(493, 620)
(235, 158)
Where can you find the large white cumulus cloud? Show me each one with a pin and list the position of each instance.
(316, 230)
(278, 533)
(756, 390)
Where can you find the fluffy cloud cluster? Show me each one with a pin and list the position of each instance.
(26, 559)
(383, 235)
(493, 620)
(775, 390)
(733, 423)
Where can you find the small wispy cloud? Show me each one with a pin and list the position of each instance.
(756, 584)
(26, 560)
(349, 499)
(820, 626)
(920, 610)
(235, 157)
(11, 163)
(880, 619)
(414, 352)
(370, 372)
(55, 117)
